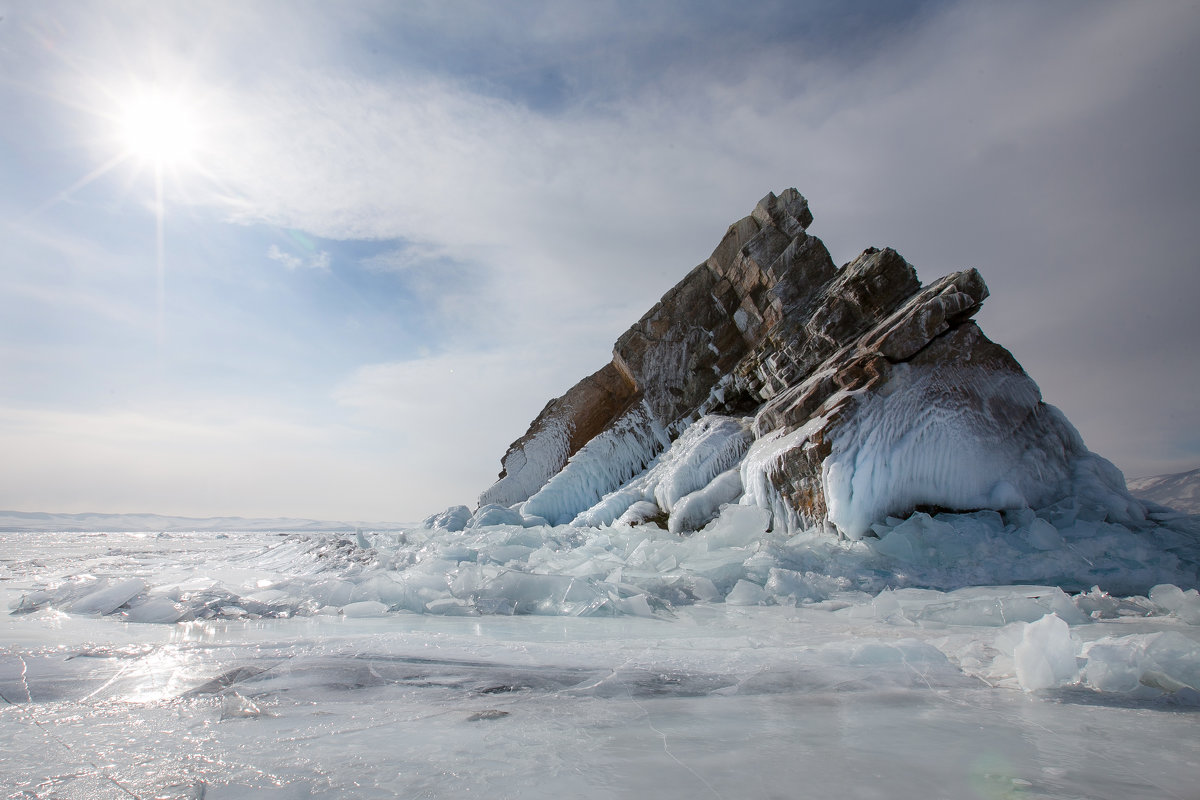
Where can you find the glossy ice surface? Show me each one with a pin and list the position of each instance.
(912, 693)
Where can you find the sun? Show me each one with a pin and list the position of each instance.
(159, 127)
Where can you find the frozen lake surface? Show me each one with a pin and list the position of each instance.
(297, 666)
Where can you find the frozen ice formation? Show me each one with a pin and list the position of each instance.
(827, 396)
(1045, 658)
(982, 570)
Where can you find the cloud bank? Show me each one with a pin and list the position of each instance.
(535, 179)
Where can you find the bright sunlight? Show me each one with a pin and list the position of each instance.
(158, 128)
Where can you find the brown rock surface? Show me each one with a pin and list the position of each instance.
(870, 393)
(675, 354)
(566, 424)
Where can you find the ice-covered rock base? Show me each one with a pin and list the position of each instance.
(827, 396)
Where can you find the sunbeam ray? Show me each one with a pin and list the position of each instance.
(98, 172)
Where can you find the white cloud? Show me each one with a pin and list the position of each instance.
(1049, 145)
(1003, 137)
(318, 261)
(287, 259)
(411, 257)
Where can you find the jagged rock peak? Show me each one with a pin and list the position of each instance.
(838, 396)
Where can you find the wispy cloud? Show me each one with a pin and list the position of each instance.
(1015, 138)
(411, 257)
(546, 172)
(318, 261)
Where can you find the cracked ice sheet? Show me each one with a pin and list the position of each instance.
(721, 702)
(873, 699)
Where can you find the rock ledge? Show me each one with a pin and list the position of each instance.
(827, 396)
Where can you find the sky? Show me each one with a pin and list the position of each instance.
(328, 260)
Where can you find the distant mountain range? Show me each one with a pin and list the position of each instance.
(37, 521)
(1180, 491)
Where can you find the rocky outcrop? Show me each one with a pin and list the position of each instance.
(565, 425)
(770, 377)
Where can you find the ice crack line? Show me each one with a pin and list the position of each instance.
(615, 674)
(25, 680)
(670, 755)
(29, 708)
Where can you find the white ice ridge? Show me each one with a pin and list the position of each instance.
(1003, 597)
(947, 438)
(689, 482)
(528, 467)
(600, 466)
(623, 569)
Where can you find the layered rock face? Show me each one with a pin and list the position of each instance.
(828, 396)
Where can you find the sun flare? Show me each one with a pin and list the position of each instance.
(159, 128)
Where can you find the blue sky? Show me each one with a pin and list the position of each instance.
(403, 227)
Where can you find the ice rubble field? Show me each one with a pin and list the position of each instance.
(941, 659)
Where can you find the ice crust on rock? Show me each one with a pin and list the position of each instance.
(493, 514)
(599, 467)
(527, 467)
(696, 508)
(565, 425)
(689, 482)
(764, 460)
(870, 396)
(921, 445)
